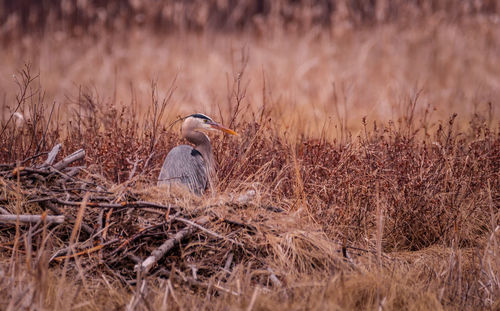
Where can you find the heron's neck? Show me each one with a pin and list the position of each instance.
(202, 144)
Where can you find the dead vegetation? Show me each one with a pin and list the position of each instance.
(229, 16)
(346, 211)
(316, 206)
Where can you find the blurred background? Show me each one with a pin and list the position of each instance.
(310, 63)
(259, 16)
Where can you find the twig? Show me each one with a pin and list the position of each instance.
(158, 253)
(191, 281)
(56, 210)
(135, 204)
(229, 261)
(30, 158)
(41, 142)
(31, 219)
(274, 279)
(189, 222)
(23, 171)
(86, 251)
(134, 258)
(27, 79)
(134, 168)
(71, 172)
(148, 160)
(100, 229)
(239, 223)
(254, 298)
(75, 156)
(52, 155)
(135, 236)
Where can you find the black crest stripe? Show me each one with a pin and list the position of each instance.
(201, 116)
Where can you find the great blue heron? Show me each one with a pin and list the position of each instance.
(192, 166)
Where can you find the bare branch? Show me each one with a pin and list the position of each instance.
(158, 253)
(75, 156)
(52, 155)
(31, 219)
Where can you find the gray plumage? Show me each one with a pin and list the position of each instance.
(192, 166)
(185, 165)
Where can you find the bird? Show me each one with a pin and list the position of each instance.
(192, 166)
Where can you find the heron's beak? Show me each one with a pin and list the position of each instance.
(223, 128)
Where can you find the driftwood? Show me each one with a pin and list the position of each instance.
(31, 219)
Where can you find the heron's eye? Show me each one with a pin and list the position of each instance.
(205, 120)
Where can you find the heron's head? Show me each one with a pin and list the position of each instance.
(200, 121)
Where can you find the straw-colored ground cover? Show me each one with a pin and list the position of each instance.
(373, 152)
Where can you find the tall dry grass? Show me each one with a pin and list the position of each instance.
(385, 140)
(434, 194)
(314, 82)
(261, 16)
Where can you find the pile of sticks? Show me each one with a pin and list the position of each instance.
(118, 232)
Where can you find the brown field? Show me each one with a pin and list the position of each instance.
(369, 135)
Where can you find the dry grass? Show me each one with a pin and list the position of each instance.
(382, 142)
(313, 83)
